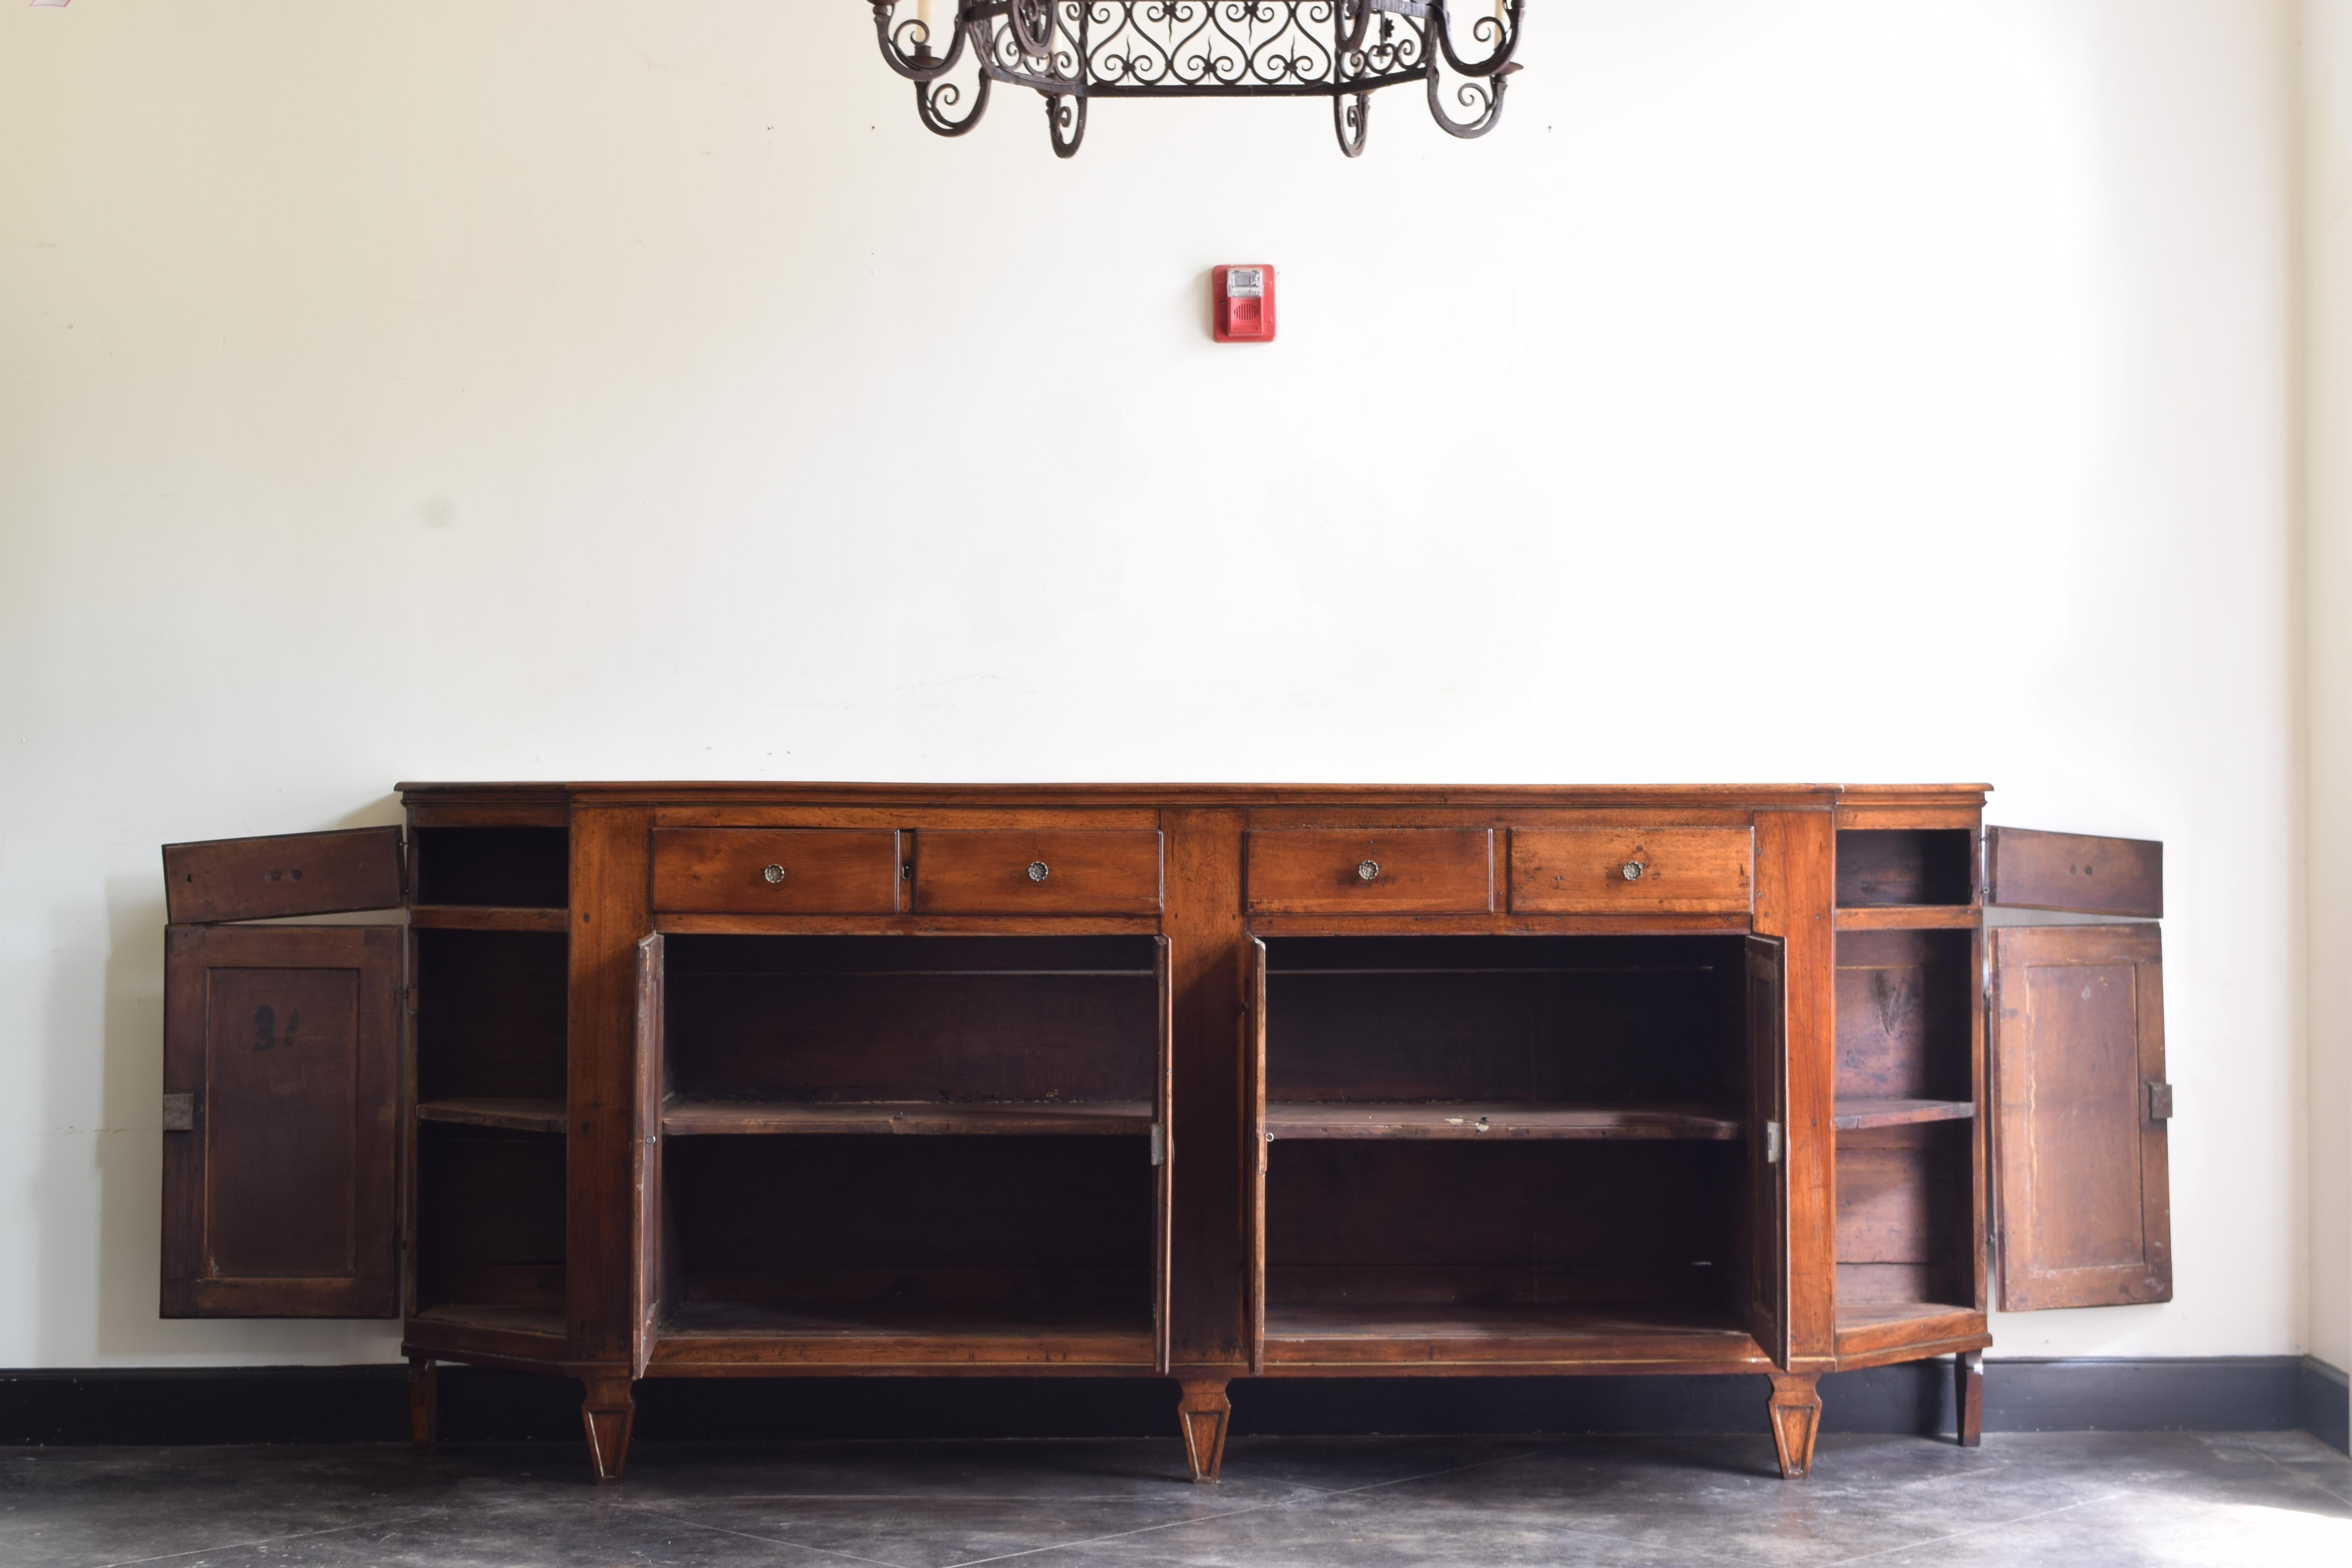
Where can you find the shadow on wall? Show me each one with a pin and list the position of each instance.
(125, 1153)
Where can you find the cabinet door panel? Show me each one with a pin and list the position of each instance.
(290, 874)
(776, 870)
(1080, 871)
(1768, 1146)
(650, 1255)
(2073, 871)
(1163, 1190)
(2082, 1199)
(1630, 871)
(281, 1046)
(1331, 870)
(1254, 1207)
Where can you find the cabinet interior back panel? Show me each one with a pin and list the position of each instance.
(827, 1019)
(1580, 1019)
(1498, 1224)
(912, 1222)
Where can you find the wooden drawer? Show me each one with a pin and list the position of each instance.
(776, 870)
(1630, 871)
(1406, 870)
(1075, 872)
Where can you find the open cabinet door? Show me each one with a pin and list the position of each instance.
(1163, 1157)
(1767, 1149)
(651, 1253)
(289, 874)
(2082, 1199)
(281, 1099)
(2081, 1203)
(1253, 1156)
(2076, 872)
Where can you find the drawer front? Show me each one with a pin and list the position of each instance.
(1630, 871)
(1075, 872)
(1406, 870)
(776, 870)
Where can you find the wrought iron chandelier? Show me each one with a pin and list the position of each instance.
(1072, 51)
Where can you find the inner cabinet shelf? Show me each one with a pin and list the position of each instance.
(1496, 1121)
(486, 917)
(1565, 1333)
(519, 1115)
(1854, 1114)
(682, 1118)
(541, 1321)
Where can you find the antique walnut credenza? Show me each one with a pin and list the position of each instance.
(1191, 1081)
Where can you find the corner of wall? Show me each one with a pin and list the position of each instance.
(2323, 619)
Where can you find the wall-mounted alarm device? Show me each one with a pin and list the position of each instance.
(1244, 304)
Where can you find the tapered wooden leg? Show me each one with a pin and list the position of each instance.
(1205, 1413)
(1796, 1413)
(424, 1403)
(1968, 1395)
(607, 1412)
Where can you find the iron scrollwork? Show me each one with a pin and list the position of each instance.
(1071, 51)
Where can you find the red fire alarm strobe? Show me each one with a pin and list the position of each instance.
(1244, 304)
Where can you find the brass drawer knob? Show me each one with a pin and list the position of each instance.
(1633, 869)
(775, 874)
(1368, 869)
(1038, 871)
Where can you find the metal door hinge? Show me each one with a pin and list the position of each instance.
(1159, 1145)
(2160, 1102)
(1771, 1142)
(179, 1113)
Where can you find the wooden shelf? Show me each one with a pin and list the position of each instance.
(1492, 1121)
(681, 1118)
(850, 1320)
(711, 1336)
(1854, 1114)
(1399, 1334)
(1910, 917)
(521, 1115)
(1871, 1334)
(547, 1322)
(488, 917)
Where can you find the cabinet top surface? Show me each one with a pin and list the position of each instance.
(784, 793)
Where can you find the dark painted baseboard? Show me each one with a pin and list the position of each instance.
(370, 1404)
(2324, 1403)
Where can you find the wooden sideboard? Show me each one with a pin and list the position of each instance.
(1190, 1081)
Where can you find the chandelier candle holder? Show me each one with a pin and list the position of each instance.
(1072, 51)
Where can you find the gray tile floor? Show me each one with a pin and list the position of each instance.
(2079, 1500)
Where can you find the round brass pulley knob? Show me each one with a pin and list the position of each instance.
(1368, 869)
(1039, 870)
(1633, 869)
(774, 875)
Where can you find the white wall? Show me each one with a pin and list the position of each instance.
(1788, 390)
